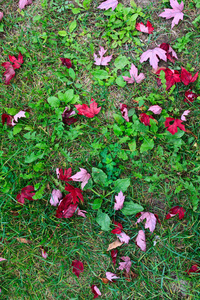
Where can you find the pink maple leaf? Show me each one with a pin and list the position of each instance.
(174, 211)
(108, 4)
(110, 276)
(26, 193)
(1, 15)
(153, 55)
(95, 291)
(86, 111)
(2, 259)
(82, 176)
(146, 29)
(134, 75)
(126, 264)
(102, 61)
(150, 220)
(156, 109)
(56, 196)
(8, 74)
(23, 3)
(123, 237)
(81, 213)
(175, 12)
(20, 114)
(77, 267)
(172, 128)
(124, 111)
(141, 241)
(185, 113)
(119, 201)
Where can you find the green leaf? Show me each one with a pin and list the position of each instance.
(99, 176)
(86, 4)
(72, 26)
(69, 95)
(131, 208)
(97, 203)
(17, 129)
(147, 145)
(32, 157)
(53, 101)
(36, 18)
(100, 74)
(72, 73)
(132, 145)
(39, 193)
(62, 33)
(38, 167)
(121, 185)
(120, 81)
(120, 62)
(103, 220)
(118, 119)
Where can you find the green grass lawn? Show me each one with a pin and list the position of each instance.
(155, 169)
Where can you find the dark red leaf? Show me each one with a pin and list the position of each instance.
(77, 267)
(171, 76)
(118, 228)
(66, 175)
(66, 62)
(26, 193)
(186, 77)
(7, 118)
(145, 119)
(174, 211)
(157, 218)
(114, 256)
(172, 128)
(95, 291)
(190, 96)
(74, 192)
(193, 269)
(170, 53)
(66, 208)
(67, 116)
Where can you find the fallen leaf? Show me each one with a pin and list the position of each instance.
(1, 15)
(190, 96)
(8, 75)
(67, 116)
(108, 4)
(145, 119)
(56, 196)
(102, 61)
(134, 75)
(110, 276)
(114, 255)
(156, 109)
(186, 77)
(74, 192)
(171, 77)
(81, 213)
(20, 114)
(130, 276)
(26, 193)
(146, 29)
(174, 211)
(64, 176)
(2, 259)
(153, 55)
(17, 62)
(175, 12)
(44, 253)
(23, 3)
(95, 291)
(172, 128)
(86, 111)
(126, 265)
(185, 113)
(124, 111)
(150, 220)
(24, 241)
(119, 201)
(193, 269)
(170, 53)
(82, 176)
(66, 208)
(7, 119)
(141, 241)
(118, 228)
(77, 267)
(66, 62)
(114, 245)
(123, 237)
(105, 280)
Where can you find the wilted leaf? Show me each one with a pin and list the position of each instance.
(114, 245)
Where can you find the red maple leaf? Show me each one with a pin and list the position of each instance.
(7, 118)
(170, 53)
(193, 269)
(64, 176)
(118, 228)
(174, 211)
(77, 267)
(86, 111)
(171, 76)
(66, 208)
(74, 192)
(190, 96)
(186, 77)
(145, 119)
(114, 256)
(26, 193)
(17, 62)
(172, 128)
(66, 62)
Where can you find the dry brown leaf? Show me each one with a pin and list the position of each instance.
(14, 213)
(114, 245)
(130, 276)
(105, 280)
(190, 132)
(23, 240)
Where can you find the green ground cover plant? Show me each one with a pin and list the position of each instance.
(99, 145)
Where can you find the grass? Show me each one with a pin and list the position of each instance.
(161, 177)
